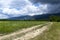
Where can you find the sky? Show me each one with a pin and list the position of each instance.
(14, 8)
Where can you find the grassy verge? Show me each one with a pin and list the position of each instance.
(12, 26)
(52, 34)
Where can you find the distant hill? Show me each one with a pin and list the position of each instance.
(26, 17)
(35, 17)
(45, 16)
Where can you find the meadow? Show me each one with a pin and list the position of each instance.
(7, 27)
(52, 34)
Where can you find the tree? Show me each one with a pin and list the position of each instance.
(54, 18)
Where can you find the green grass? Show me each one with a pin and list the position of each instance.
(52, 34)
(7, 27)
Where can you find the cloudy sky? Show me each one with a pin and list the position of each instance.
(14, 8)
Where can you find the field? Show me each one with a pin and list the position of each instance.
(52, 34)
(7, 27)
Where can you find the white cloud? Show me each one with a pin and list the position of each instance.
(10, 11)
(32, 14)
(25, 7)
(3, 16)
(5, 3)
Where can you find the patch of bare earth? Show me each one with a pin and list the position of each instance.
(26, 34)
(15, 34)
(34, 33)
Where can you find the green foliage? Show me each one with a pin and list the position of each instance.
(52, 34)
(54, 18)
(12, 26)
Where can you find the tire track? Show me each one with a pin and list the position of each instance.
(18, 33)
(34, 33)
(21, 33)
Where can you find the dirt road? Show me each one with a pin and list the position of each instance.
(26, 34)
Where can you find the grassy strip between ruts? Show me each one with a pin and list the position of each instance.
(7, 27)
(52, 34)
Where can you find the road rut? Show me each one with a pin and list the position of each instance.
(26, 34)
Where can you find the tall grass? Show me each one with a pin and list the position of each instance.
(52, 34)
(12, 26)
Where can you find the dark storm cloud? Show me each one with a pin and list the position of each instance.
(54, 8)
(53, 5)
(46, 1)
